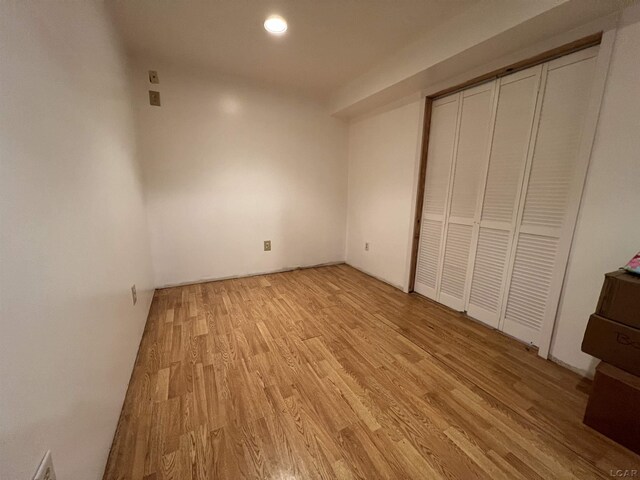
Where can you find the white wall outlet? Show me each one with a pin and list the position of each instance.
(267, 245)
(134, 294)
(45, 470)
(366, 247)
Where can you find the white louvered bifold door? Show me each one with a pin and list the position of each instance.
(444, 115)
(505, 170)
(514, 118)
(552, 188)
(469, 166)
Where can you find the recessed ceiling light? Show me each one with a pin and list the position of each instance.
(275, 24)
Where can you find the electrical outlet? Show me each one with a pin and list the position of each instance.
(154, 98)
(45, 470)
(134, 294)
(153, 76)
(267, 245)
(366, 247)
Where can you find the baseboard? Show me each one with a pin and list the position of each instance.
(399, 287)
(150, 294)
(254, 274)
(580, 371)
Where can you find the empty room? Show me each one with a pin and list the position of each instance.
(319, 239)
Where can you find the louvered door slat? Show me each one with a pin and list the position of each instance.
(426, 271)
(556, 152)
(489, 270)
(516, 106)
(471, 152)
(530, 284)
(441, 138)
(454, 271)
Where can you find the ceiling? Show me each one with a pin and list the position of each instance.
(329, 42)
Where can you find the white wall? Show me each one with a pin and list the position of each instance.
(73, 238)
(228, 165)
(608, 232)
(384, 154)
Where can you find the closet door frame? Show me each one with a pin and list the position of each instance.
(605, 40)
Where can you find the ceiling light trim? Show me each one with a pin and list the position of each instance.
(275, 25)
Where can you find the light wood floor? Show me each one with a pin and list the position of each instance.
(329, 373)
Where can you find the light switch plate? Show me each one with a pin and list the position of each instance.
(134, 294)
(45, 470)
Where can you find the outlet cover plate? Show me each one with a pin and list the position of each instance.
(267, 245)
(45, 470)
(154, 98)
(134, 294)
(153, 76)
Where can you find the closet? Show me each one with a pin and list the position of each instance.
(503, 183)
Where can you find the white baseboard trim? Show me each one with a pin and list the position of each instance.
(399, 287)
(253, 274)
(580, 371)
